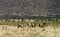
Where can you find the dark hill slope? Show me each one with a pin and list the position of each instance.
(29, 7)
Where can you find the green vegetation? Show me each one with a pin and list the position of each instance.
(25, 23)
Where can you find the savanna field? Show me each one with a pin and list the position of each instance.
(51, 29)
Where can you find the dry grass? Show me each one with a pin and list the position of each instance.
(13, 31)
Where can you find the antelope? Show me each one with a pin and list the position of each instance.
(31, 24)
(20, 25)
(42, 25)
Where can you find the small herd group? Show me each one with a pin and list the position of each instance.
(32, 25)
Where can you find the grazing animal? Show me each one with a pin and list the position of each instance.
(19, 25)
(42, 25)
(31, 24)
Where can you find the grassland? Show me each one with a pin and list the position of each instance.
(13, 31)
(24, 23)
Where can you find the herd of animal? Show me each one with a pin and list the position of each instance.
(32, 25)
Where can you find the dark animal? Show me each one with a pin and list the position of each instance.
(42, 25)
(19, 25)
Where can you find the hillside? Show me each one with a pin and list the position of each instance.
(29, 7)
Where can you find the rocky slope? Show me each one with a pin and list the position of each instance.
(29, 7)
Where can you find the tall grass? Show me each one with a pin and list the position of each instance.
(12, 31)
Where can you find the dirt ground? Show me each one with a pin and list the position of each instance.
(13, 31)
